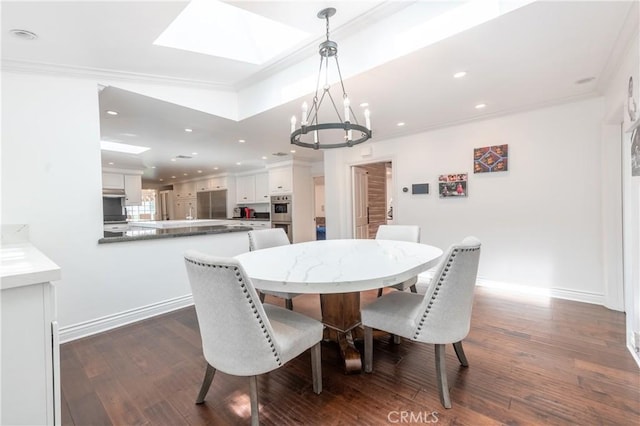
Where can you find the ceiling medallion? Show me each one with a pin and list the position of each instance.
(308, 135)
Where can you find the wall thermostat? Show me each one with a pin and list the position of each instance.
(420, 188)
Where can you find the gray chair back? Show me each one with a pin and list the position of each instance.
(445, 312)
(265, 238)
(409, 233)
(236, 333)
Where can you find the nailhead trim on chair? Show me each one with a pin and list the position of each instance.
(252, 305)
(437, 289)
(255, 313)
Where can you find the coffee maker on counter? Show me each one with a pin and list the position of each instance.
(243, 213)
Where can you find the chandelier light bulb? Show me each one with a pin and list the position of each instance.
(305, 108)
(367, 118)
(293, 123)
(347, 105)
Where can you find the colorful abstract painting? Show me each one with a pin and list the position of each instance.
(491, 159)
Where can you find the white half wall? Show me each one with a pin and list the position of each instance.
(51, 180)
(540, 222)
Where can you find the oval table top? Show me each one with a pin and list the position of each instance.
(337, 266)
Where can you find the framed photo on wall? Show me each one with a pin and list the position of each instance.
(452, 185)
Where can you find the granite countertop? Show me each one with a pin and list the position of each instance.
(139, 233)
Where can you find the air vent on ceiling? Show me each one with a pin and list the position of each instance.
(280, 154)
(186, 157)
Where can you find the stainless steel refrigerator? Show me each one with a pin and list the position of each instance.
(212, 205)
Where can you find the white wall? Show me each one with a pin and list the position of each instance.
(540, 222)
(51, 180)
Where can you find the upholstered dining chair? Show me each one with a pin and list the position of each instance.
(409, 233)
(265, 238)
(240, 335)
(441, 316)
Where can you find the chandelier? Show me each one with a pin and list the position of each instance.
(308, 134)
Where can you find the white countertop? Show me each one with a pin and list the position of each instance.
(337, 266)
(23, 264)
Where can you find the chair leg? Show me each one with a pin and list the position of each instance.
(316, 368)
(460, 352)
(413, 289)
(261, 296)
(379, 292)
(206, 384)
(441, 372)
(396, 339)
(253, 395)
(288, 304)
(368, 349)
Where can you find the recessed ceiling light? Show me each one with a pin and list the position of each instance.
(188, 130)
(480, 106)
(111, 163)
(215, 168)
(186, 174)
(122, 147)
(264, 158)
(400, 124)
(241, 141)
(173, 177)
(460, 74)
(238, 163)
(24, 34)
(194, 153)
(110, 112)
(293, 151)
(364, 104)
(199, 171)
(173, 159)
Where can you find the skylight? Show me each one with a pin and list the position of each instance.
(122, 147)
(218, 29)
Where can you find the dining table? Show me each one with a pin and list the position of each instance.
(338, 270)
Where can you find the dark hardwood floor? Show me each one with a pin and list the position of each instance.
(532, 361)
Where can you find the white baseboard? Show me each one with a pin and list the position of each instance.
(557, 293)
(99, 325)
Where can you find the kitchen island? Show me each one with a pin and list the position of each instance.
(137, 233)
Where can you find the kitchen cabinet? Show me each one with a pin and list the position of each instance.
(281, 180)
(184, 208)
(113, 181)
(212, 184)
(30, 347)
(262, 188)
(133, 190)
(245, 189)
(182, 191)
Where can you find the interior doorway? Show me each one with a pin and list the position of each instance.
(318, 203)
(372, 197)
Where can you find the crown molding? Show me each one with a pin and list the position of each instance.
(19, 66)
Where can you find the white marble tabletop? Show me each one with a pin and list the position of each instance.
(23, 264)
(337, 266)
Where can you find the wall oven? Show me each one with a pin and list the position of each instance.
(281, 208)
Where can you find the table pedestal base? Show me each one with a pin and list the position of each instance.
(341, 315)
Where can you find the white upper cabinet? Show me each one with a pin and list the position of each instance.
(281, 180)
(133, 190)
(245, 189)
(212, 184)
(262, 188)
(113, 180)
(184, 190)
